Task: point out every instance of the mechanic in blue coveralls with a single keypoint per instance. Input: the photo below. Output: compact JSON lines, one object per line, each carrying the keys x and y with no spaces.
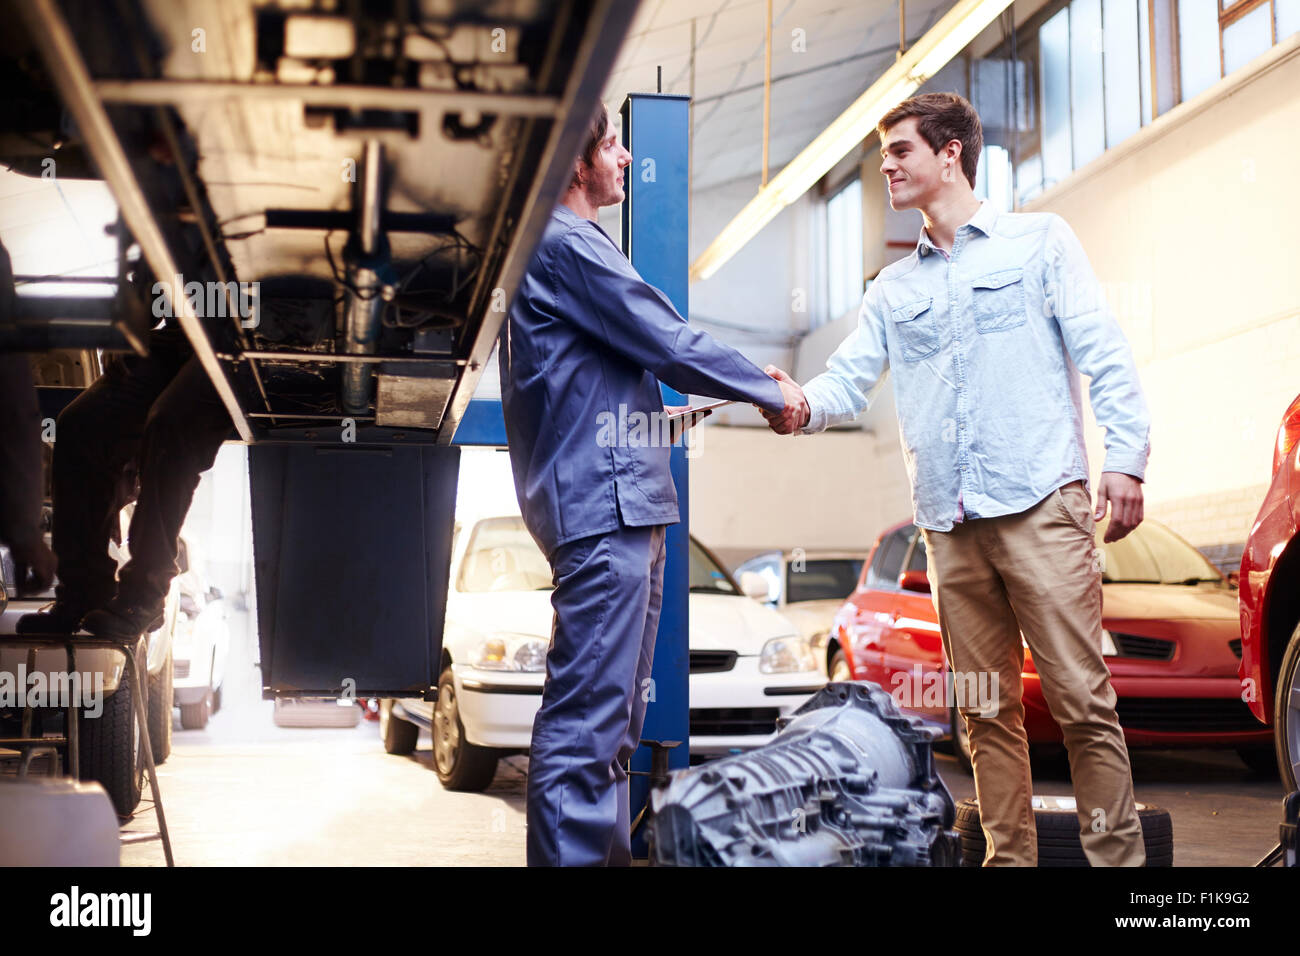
{"x":585,"y":336}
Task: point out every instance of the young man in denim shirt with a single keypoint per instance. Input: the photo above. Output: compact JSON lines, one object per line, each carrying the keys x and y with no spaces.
{"x":984,"y":326}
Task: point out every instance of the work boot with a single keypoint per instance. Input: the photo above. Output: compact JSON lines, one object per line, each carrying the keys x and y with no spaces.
{"x":121,"y":619}
{"x":61,"y":617}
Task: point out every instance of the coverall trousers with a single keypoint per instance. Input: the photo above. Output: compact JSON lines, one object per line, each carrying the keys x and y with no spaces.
{"x":1035,"y":573}
{"x":607,"y":599}
{"x":161,"y":414}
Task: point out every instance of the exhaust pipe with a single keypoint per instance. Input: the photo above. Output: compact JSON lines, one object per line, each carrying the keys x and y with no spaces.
{"x":367,"y":266}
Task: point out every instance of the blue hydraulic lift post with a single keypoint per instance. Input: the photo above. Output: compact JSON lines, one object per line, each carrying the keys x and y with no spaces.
{"x":656,"y":128}
{"x":483,"y":423}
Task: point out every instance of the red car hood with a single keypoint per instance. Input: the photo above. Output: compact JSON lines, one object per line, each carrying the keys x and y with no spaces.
{"x":1168,"y":602}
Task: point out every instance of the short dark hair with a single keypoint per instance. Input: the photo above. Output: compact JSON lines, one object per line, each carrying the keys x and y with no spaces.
{"x":595,"y":135}
{"x":941,"y":118}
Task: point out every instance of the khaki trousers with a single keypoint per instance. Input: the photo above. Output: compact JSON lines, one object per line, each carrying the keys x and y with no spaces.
{"x":1037,"y":572}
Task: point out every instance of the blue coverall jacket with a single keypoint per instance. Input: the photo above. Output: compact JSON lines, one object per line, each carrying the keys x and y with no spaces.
{"x":586,"y":339}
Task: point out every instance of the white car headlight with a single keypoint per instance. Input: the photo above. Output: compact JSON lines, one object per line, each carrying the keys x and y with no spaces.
{"x":1108,"y":648}
{"x":511,"y":652}
{"x":783,"y":655}
{"x":183,"y":633}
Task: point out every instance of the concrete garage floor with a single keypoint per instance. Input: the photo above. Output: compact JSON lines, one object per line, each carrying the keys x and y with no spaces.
{"x":244,"y":792}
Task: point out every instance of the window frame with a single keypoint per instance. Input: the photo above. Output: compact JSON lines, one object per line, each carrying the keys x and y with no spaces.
{"x":1230,"y":14}
{"x":1163,"y":56}
{"x":829,"y":314}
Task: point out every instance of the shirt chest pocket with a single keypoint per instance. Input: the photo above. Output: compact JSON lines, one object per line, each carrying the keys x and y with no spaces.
{"x":998,"y":301}
{"x":914,"y":325}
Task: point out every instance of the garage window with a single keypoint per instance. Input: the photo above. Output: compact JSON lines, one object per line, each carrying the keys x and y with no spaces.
{"x":844,"y":249}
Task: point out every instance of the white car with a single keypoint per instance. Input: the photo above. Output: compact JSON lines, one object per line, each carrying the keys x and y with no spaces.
{"x":200,"y":644}
{"x":748,"y":665}
{"x":808,"y":587}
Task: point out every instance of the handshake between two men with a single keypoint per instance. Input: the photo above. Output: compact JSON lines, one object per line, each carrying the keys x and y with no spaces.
{"x":795,"y":414}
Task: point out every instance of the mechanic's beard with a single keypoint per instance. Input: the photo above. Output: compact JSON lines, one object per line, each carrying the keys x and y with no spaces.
{"x":611,"y":195}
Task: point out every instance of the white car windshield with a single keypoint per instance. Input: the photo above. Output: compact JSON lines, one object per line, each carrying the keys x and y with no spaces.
{"x":707,"y":576}
{"x":502,"y":556}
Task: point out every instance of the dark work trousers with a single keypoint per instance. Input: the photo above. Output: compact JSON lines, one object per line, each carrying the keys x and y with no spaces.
{"x":160,"y":413}
{"x":608,"y":594}
{"x":20,"y":454}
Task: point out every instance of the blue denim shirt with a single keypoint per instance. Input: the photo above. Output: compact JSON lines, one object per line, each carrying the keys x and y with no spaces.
{"x":985,"y":346}
{"x":582,"y":352}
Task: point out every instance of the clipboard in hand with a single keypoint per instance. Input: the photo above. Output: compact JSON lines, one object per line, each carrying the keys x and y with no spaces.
{"x":679,"y":421}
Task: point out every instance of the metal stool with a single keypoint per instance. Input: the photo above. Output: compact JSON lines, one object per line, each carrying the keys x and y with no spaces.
{"x":30,"y":746}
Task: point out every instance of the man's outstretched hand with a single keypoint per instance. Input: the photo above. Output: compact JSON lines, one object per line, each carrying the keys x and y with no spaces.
{"x":796,"y":412}
{"x":1124,"y":492}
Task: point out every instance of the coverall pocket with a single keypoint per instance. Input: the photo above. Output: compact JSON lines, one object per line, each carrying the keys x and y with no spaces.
{"x":998,"y":301}
{"x":918,"y":335}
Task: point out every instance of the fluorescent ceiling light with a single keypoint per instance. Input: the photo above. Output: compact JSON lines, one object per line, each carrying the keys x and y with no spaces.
{"x":927,"y":57}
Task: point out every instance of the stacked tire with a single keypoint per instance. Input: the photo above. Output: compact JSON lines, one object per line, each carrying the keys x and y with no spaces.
{"x":1058,"y":835}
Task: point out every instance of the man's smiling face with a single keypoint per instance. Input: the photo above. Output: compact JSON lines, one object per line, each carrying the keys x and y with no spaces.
{"x":914,"y":171}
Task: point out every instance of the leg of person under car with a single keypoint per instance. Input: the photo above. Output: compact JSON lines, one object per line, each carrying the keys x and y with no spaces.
{"x":608,"y":591}
{"x":182,"y":435}
{"x":96,"y":436}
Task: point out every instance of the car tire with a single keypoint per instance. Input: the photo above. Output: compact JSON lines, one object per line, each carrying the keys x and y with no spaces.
{"x":1286,"y":719}
{"x":460,"y":764}
{"x":960,"y":741}
{"x":195,"y":716}
{"x":838,"y":668}
{"x":399,"y":736}
{"x":110,"y":748}
{"x":1058,"y":835}
{"x":161,"y":700}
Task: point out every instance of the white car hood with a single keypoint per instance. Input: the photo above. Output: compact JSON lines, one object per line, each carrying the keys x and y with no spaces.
{"x":724,"y":622}
{"x":490,"y":612}
{"x":813,"y":617}
{"x":718,"y":621}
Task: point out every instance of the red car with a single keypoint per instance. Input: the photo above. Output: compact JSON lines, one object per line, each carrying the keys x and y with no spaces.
{"x":1270,"y":603}
{"x":1171,"y":641}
